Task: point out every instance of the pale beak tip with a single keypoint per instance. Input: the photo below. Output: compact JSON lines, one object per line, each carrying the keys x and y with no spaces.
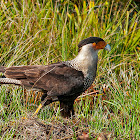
{"x":107,"y":47}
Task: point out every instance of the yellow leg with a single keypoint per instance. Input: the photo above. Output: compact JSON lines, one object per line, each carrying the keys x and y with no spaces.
{"x":37,"y":110}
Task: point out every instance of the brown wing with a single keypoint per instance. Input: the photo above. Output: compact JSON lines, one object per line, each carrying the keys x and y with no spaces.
{"x":58,"y":78}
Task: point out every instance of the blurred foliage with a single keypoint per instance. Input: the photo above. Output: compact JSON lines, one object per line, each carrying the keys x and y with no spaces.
{"x":50,"y":32}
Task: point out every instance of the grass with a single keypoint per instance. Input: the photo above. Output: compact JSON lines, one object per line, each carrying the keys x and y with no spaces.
{"x":40,"y":32}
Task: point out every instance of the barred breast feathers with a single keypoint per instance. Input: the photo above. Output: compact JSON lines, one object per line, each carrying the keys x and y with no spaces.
{"x":86,"y":61}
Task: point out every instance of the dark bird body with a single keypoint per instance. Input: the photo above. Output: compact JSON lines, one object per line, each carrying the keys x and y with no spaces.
{"x":63,"y":81}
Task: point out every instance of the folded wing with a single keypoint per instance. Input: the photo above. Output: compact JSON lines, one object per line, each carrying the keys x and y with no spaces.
{"x":58,"y":78}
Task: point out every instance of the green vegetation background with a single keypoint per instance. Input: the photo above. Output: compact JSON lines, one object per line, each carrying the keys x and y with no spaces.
{"x":42,"y":32}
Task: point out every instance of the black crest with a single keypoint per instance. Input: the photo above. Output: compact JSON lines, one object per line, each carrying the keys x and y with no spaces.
{"x":89,"y":40}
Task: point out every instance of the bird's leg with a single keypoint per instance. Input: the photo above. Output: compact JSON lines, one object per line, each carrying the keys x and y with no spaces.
{"x":67,"y":109}
{"x":37,"y":110}
{"x":44,"y":101}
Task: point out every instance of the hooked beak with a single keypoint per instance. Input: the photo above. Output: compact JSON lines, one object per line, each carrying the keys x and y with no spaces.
{"x":107,"y":47}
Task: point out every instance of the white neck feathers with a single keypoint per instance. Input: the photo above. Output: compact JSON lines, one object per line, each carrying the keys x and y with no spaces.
{"x":86,"y":60}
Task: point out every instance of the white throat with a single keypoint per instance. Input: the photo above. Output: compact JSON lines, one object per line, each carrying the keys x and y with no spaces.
{"x":86,"y":60}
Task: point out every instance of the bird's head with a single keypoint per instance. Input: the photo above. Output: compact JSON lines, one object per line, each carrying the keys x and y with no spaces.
{"x":87,"y":58}
{"x":94,"y":42}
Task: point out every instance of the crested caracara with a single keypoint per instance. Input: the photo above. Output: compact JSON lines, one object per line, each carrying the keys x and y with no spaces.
{"x":62,"y":81}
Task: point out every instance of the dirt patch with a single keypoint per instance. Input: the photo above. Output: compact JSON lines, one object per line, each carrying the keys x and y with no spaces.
{"x":36,"y":129}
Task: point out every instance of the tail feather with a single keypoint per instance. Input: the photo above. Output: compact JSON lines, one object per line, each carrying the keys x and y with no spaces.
{"x":9,"y":81}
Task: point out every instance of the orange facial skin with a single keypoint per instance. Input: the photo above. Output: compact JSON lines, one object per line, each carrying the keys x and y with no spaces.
{"x":99,"y":45}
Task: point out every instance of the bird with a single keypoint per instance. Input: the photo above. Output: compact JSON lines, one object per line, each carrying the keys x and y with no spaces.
{"x":62,"y":81}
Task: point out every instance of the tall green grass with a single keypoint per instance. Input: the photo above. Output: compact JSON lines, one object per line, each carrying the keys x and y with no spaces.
{"x":42,"y":32}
